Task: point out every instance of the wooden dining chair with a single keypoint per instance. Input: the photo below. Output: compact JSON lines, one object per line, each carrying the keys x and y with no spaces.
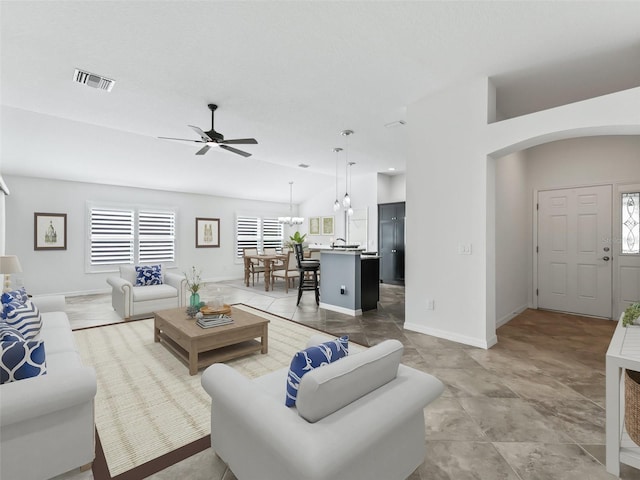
{"x":254,"y":266}
{"x":289,"y":272}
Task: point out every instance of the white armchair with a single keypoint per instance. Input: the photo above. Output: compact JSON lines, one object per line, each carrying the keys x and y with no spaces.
{"x":360,"y":417}
{"x":132,"y":301}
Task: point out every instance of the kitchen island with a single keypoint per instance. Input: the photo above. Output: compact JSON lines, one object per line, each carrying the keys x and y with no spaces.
{"x":349,"y":281}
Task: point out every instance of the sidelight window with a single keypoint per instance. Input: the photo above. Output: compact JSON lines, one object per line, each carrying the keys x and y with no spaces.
{"x":631,"y":223}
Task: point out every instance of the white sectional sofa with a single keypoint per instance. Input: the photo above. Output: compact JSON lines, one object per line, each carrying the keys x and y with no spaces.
{"x":360,"y":417}
{"x":47,"y":423}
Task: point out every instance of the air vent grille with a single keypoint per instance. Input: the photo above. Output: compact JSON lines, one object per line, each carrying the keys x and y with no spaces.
{"x":93,"y":80}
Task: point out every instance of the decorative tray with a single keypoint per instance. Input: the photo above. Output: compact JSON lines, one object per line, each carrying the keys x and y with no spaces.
{"x":208,"y":310}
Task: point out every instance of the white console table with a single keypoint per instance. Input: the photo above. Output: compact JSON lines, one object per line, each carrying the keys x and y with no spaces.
{"x":623,"y":353}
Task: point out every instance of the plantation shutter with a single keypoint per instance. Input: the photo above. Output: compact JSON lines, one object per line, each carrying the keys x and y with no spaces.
{"x":112,"y":239}
{"x":271,"y":233}
{"x":156,"y":236}
{"x":247,"y":233}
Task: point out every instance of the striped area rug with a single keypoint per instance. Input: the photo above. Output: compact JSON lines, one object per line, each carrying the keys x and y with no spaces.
{"x":147,"y":404}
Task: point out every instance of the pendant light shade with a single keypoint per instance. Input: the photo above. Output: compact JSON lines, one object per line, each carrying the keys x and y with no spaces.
{"x":291,"y":220}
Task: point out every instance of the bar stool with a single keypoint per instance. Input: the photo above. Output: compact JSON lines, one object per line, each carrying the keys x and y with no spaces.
{"x":308,"y":274}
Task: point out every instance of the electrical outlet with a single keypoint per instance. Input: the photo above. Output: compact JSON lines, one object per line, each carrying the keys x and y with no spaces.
{"x":343,"y":289}
{"x":431,"y":305}
{"x":464,"y":249}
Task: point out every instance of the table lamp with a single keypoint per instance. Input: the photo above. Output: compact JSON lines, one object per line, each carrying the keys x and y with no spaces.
{"x":9,"y":264}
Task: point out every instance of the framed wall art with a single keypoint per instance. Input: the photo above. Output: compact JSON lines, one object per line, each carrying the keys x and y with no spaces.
{"x":207,"y":232}
{"x":327,"y":226}
{"x":49,"y":231}
{"x":314,"y":225}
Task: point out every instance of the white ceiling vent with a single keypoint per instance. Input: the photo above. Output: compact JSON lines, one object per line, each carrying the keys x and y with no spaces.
{"x":93,"y":80}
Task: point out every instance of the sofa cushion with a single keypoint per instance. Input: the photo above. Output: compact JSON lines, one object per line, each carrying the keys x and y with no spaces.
{"x":11,"y":300}
{"x":22,"y":359}
{"x":58,"y":340}
{"x":328,"y":389}
{"x":310,"y":358}
{"x":148,"y":275}
{"x":9,"y":333}
{"x":154,"y":292}
{"x":60,"y":363}
{"x":26,"y":318}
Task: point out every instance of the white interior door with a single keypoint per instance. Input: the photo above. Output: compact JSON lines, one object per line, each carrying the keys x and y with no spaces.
{"x":574,"y":250}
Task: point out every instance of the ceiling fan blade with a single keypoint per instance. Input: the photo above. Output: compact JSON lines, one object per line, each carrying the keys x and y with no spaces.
{"x":181,"y":139}
{"x":203,"y":136}
{"x":235,"y":150}
{"x":203,"y":150}
{"x":241,"y":141}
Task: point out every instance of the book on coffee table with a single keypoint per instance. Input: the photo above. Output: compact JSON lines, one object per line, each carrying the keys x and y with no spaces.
{"x":209,"y":321}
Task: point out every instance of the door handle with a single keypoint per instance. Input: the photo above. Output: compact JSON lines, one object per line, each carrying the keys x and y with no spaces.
{"x":606,"y":259}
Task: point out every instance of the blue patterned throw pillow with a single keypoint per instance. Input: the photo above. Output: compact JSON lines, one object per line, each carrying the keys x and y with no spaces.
{"x":11,"y":300}
{"x":20,"y":360}
{"x":149,"y":275}
{"x":9,"y":333}
{"x":313,"y":357}
{"x":26,"y":319}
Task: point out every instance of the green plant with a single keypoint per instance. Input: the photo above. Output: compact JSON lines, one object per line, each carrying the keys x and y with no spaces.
{"x":295,"y":238}
{"x":193,"y":280}
{"x":631,"y":314}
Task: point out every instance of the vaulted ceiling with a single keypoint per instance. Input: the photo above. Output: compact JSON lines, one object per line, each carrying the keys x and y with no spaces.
{"x":290,"y":74}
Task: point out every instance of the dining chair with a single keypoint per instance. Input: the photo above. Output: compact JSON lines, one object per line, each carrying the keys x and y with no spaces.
{"x":288,"y":272}
{"x":254,"y":264}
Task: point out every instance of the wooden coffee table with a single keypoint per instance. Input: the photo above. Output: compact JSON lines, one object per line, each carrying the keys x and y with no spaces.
{"x":200,"y":347}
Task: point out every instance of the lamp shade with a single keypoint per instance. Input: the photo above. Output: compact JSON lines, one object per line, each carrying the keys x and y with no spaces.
{"x":9,"y":264}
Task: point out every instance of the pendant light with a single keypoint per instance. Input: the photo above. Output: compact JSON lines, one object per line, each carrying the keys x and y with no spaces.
{"x":336,"y":204}
{"x":346,"y":200}
{"x":291,"y":220}
{"x":350,"y":209}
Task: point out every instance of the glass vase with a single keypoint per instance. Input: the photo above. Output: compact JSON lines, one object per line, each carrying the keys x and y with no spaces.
{"x":194,"y":301}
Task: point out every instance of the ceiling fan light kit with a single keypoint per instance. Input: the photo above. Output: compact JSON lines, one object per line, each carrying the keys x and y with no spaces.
{"x":212,"y":137}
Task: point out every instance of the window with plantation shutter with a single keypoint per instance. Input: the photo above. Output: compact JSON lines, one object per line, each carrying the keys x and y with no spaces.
{"x":257,"y":232}
{"x":112,"y":236}
{"x":156,"y":236}
{"x":119,"y":236}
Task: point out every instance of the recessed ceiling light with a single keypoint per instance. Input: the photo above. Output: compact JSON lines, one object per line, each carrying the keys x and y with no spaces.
{"x":391,"y":169}
{"x":397,"y":123}
{"x":303,"y":165}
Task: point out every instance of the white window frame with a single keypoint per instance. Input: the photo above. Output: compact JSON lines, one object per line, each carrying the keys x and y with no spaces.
{"x":266,"y":232}
{"x":143,"y":236}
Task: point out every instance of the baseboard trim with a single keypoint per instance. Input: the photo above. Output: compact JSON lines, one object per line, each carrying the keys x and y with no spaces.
{"x":346,"y":311}
{"x":454,"y":337}
{"x":507,"y":318}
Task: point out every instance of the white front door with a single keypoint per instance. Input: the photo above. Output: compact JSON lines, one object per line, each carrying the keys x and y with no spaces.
{"x":574,"y":250}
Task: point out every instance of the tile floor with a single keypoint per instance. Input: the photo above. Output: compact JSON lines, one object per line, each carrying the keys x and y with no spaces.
{"x":530,"y":408}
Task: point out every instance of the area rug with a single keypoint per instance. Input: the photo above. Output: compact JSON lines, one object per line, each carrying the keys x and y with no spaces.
{"x":147,"y":404}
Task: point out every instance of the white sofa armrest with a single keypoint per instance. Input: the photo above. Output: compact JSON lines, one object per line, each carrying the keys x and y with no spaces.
{"x":120,"y":284}
{"x":34,"y":397}
{"x":179,"y":283}
{"x":49,"y":303}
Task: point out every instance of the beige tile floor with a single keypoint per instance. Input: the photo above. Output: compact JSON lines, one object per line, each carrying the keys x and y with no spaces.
{"x":530,"y":408}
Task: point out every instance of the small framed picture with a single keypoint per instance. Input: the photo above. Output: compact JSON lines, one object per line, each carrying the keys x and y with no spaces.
{"x":327,"y":225}
{"x":49,"y":231}
{"x":314,"y":225}
{"x":207,"y":232}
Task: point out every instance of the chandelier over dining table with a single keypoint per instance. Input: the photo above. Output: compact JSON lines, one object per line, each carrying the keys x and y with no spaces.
{"x":291,"y":220}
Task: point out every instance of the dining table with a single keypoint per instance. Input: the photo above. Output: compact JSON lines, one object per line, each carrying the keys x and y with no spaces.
{"x":267,"y":260}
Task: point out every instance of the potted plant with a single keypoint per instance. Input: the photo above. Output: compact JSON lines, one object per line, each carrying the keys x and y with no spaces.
{"x":295,"y":238}
{"x":631,"y":314}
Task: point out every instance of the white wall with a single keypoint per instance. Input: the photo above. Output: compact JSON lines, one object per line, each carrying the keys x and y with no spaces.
{"x":392,"y":188}
{"x":513,"y":236}
{"x":451,"y":197}
{"x":584,"y":161}
{"x":64,"y":271}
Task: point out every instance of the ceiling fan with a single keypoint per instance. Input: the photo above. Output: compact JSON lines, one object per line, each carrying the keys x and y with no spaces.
{"x":213,"y":137}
